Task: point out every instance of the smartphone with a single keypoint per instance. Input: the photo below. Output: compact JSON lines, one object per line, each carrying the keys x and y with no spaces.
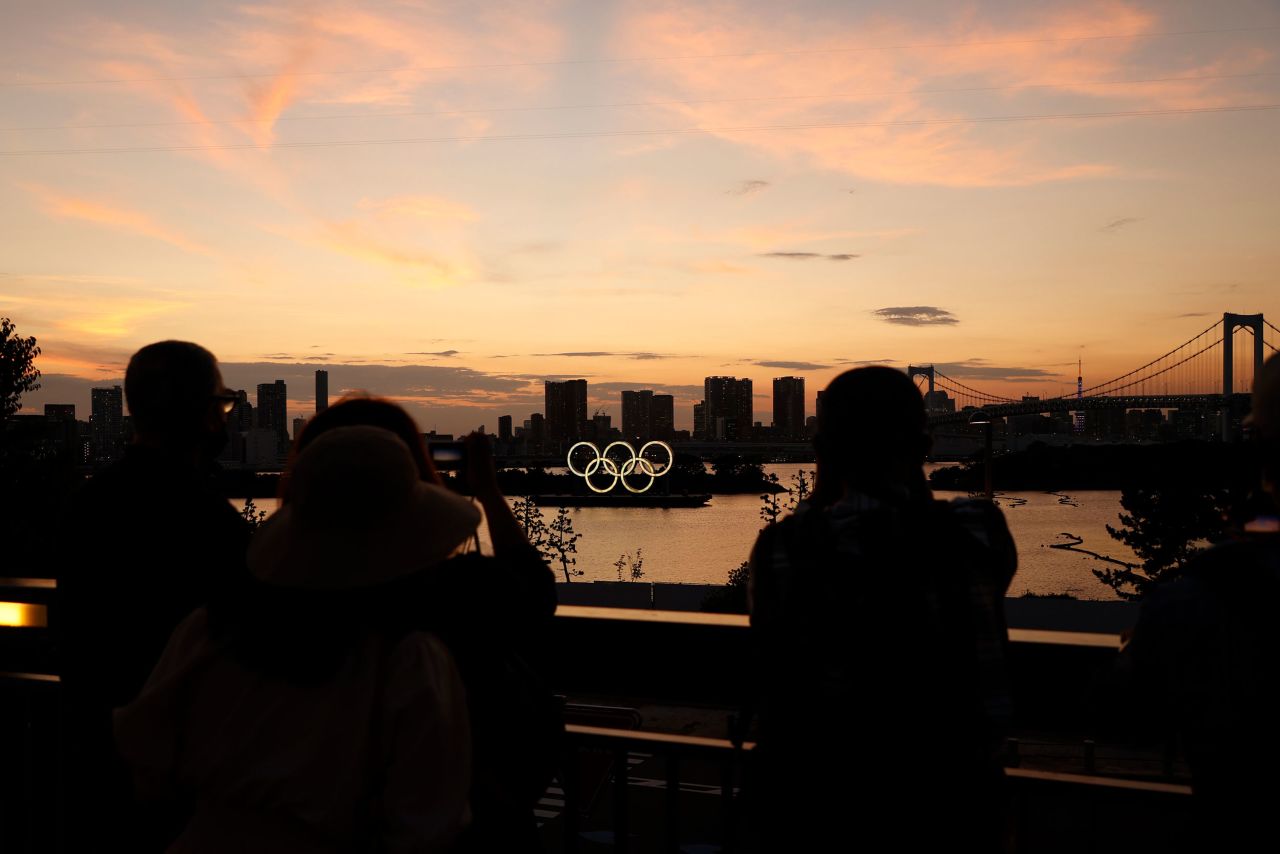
{"x":450,"y":459}
{"x":448,"y":456}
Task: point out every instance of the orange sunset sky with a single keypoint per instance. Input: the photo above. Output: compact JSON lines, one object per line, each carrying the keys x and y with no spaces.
{"x":449,"y":202}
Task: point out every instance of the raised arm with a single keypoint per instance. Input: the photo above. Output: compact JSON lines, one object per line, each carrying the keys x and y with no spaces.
{"x":508,"y":537}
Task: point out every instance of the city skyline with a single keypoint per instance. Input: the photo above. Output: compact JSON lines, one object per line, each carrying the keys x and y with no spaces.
{"x":636,"y":194}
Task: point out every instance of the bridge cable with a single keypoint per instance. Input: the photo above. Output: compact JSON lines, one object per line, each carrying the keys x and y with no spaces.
{"x":1206,"y":330}
{"x":972,"y":391}
{"x":1165,"y":370}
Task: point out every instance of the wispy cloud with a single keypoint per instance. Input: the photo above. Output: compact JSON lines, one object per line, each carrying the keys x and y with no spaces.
{"x":116,"y":217}
{"x":747,"y":188}
{"x":443,"y":354}
{"x":810,"y":256}
{"x":792,"y":366}
{"x":916,"y":315}
{"x":592,"y":354}
{"x":880,"y":87}
{"x":1119,"y":223}
{"x":982,"y":369}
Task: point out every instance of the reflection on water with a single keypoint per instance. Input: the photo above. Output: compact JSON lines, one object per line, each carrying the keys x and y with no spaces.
{"x":701,"y":545}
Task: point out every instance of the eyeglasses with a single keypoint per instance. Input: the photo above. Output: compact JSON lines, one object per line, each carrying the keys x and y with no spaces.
{"x":227,"y":401}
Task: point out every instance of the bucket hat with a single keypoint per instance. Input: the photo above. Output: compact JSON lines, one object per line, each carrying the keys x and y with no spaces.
{"x":358,"y":515}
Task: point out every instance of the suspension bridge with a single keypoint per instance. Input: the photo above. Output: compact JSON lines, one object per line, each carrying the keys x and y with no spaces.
{"x":1211,"y":371}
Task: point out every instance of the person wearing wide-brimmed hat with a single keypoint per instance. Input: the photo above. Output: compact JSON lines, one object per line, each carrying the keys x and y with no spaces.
{"x":312,"y":727}
{"x":1204,"y":658}
{"x":493,"y":611}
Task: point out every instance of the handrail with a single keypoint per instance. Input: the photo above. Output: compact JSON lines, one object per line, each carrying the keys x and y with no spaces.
{"x":688,"y":618}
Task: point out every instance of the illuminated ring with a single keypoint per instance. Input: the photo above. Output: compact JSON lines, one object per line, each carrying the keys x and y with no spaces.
{"x":621,"y":469}
{"x":594,"y":466}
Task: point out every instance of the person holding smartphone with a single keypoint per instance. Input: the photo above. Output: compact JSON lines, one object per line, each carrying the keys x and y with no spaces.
{"x":489,"y":610}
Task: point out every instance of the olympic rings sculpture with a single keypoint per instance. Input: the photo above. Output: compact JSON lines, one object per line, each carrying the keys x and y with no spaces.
{"x":621,"y":462}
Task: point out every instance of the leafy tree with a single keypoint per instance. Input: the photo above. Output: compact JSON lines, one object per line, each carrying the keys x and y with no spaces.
{"x":252,"y":515}
{"x":771,"y":507}
{"x":732,"y":597}
{"x":562,"y":543}
{"x":636,"y":566}
{"x":18,"y":373}
{"x":800,"y":489}
{"x":1165,"y":527}
{"x":529,"y":515}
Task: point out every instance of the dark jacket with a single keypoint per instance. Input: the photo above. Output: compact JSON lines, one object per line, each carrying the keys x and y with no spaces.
{"x":147,"y":542}
{"x":490,"y":613}
{"x":880,"y":634}
{"x":1204,"y":660}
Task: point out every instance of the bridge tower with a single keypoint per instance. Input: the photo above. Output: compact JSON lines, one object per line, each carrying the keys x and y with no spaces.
{"x":914,"y":371}
{"x":1230,"y":323}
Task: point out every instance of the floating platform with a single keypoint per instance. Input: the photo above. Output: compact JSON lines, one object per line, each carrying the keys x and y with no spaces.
{"x":624,"y":499}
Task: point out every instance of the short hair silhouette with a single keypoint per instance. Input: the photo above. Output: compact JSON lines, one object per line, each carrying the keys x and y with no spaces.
{"x":168,"y":386}
{"x":362,"y":410}
{"x":872,"y":419}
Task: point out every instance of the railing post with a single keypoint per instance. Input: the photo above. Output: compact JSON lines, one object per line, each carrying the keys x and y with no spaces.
{"x":727,"y":807}
{"x":572,"y":801}
{"x":673,"y":802}
{"x":1090,"y":760}
{"x":621,"y":823}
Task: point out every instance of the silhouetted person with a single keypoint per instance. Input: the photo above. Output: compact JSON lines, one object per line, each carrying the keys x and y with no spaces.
{"x":491,"y":611}
{"x":313,"y":728}
{"x":147,"y":540}
{"x":1205,"y":660}
{"x":877,"y":614}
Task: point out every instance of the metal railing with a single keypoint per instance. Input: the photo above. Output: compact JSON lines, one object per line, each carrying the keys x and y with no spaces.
{"x":30,"y":797}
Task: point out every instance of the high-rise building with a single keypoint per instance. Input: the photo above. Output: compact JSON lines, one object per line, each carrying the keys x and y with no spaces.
{"x":298,"y":424}
{"x":240,"y":418}
{"x":817,"y":404}
{"x":322,"y":391}
{"x":566,"y":410}
{"x":939,"y":401}
{"x":106,"y":420}
{"x":273,"y":415}
{"x":728,"y":402}
{"x":504,"y":428}
{"x":537,"y":431}
{"x":788,"y":408}
{"x":239,"y":424}
{"x":662,"y":417}
{"x":700,"y":421}
{"x":637,"y":414}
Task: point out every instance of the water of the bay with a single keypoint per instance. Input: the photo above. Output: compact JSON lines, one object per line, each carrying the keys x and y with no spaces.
{"x":700,"y":545}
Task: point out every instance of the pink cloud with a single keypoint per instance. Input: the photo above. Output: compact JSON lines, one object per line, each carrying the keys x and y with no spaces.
{"x":1027,"y":51}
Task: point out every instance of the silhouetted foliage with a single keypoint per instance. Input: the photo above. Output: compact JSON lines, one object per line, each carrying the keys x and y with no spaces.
{"x":801,"y":488}
{"x":252,"y":515}
{"x":529,"y":515}
{"x":635,"y":567}
{"x":18,"y":373}
{"x":1165,"y":527}
{"x":562,"y":543}
{"x":771,"y":507}
{"x":1042,"y":467}
{"x":736,"y":473}
{"x":732,"y":598}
